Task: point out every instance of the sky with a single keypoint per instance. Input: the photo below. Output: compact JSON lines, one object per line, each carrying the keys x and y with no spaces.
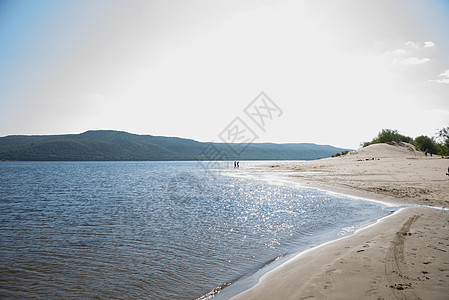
{"x":337,"y":72}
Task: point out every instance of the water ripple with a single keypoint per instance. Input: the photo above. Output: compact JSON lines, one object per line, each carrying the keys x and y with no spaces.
{"x":151,"y":229}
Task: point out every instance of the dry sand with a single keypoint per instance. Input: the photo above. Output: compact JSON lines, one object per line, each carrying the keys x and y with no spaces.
{"x":402,"y":256}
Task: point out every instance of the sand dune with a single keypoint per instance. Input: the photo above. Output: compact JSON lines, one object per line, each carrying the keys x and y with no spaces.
{"x":386,"y":150}
{"x":402,"y":256}
{"x":398,"y":171}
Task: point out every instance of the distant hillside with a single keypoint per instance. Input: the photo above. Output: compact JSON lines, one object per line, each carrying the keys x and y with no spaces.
{"x":108,"y":145}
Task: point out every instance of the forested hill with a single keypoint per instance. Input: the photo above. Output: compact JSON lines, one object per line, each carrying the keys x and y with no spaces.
{"x":108,"y":145}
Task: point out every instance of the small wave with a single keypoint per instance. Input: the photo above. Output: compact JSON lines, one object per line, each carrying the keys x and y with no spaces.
{"x":219,"y":288}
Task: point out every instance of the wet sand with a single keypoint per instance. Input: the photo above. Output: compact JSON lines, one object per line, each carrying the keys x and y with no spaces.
{"x":402,"y":256}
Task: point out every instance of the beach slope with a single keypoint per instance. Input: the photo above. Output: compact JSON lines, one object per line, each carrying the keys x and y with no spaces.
{"x":402,"y":256}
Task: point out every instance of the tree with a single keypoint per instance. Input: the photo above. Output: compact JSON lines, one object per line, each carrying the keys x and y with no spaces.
{"x":443,"y":139}
{"x":425,"y":143}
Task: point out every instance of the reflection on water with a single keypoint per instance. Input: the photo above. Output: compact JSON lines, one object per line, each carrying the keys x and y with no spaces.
{"x":151,"y":229}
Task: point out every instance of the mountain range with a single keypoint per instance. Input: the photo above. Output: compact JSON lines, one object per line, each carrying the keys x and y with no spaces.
{"x":110,"y":145}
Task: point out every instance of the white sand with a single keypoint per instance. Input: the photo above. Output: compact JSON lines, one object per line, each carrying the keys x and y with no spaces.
{"x":403,"y":256}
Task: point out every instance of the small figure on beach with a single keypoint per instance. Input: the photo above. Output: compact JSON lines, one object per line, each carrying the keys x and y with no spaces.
{"x":238,"y":165}
{"x":447,"y":171}
{"x":235,"y":164}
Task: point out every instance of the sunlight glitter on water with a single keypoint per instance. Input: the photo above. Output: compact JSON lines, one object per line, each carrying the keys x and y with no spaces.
{"x":152,"y":229}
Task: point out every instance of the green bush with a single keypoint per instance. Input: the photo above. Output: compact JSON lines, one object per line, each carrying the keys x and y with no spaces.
{"x":388,"y":135}
{"x":443,"y":138}
{"x":425,"y":143}
{"x":437,"y":145}
{"x":340,"y":153}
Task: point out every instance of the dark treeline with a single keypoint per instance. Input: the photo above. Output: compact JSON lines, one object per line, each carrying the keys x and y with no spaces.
{"x":108,"y":145}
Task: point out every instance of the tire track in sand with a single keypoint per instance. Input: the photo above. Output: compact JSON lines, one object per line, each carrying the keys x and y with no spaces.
{"x":395,"y":266}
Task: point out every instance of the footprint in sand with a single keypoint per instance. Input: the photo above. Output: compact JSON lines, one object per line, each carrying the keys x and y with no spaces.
{"x":330,"y":272}
{"x":328,"y":285}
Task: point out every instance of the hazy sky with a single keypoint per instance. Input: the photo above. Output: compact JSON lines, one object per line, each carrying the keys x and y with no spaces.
{"x":340,"y":71}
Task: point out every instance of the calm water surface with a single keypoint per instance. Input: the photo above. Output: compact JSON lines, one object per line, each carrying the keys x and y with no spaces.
{"x":152,"y":230}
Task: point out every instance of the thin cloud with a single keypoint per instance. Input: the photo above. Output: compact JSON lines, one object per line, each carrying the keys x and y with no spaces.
{"x":408,"y":54}
{"x":445,"y":73}
{"x":412,"y":44}
{"x":444,"y":77}
{"x":415,"y":61}
{"x":398,"y":51}
{"x":418,"y":45}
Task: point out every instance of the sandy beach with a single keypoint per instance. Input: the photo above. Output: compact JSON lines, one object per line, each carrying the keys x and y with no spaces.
{"x":402,"y":256}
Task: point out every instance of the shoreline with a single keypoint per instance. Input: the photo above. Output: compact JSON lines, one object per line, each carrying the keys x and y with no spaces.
{"x":367,"y":264}
{"x":244,"y":282}
{"x":267,"y":268}
{"x":401,"y":255}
